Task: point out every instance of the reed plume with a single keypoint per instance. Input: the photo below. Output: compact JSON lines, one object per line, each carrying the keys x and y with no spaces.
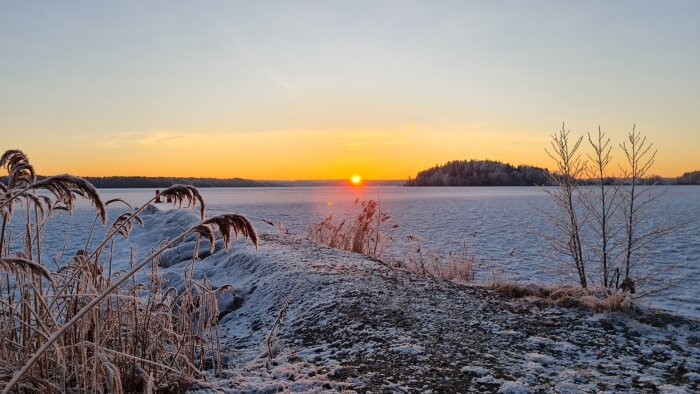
{"x":19,"y":171}
{"x":187,"y":194}
{"x":17,"y":265}
{"x":232,"y":225}
{"x":125,"y":222}
{"x":65,"y":187}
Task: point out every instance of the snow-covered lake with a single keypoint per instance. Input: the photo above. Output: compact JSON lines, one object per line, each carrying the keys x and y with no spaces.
{"x":500,"y":223}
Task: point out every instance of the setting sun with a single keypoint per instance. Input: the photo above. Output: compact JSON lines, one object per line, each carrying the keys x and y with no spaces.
{"x":356,"y":179}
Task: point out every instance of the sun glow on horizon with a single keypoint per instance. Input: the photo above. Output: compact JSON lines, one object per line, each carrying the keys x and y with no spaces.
{"x":356,"y":179}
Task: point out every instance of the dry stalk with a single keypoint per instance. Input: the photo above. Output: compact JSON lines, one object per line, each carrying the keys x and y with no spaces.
{"x":280,"y":319}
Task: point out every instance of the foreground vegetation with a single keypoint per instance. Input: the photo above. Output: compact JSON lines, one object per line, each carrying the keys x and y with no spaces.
{"x":83,"y":327}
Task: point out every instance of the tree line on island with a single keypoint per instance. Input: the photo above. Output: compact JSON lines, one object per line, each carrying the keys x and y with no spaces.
{"x":496,"y":173}
{"x":480,"y":173}
{"x":689,"y":178}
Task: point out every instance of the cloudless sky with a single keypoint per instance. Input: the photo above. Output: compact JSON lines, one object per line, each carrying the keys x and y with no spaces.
{"x":325,"y":89}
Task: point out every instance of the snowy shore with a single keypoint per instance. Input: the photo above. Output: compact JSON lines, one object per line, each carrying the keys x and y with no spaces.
{"x":355,"y":324}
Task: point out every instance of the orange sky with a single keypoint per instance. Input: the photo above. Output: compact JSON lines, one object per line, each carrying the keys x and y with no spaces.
{"x":300,"y":154}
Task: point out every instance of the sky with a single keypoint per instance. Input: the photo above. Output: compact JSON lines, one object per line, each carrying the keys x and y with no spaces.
{"x":327,"y":89}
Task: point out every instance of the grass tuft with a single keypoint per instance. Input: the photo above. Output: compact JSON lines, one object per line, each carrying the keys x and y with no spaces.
{"x":594,"y":299}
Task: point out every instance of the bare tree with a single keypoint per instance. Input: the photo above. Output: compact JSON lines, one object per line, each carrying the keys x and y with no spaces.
{"x":638,"y":195}
{"x":604,"y":204}
{"x":567,"y":197}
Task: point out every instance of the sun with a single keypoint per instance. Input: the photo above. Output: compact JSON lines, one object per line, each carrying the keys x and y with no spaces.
{"x":356,"y":179}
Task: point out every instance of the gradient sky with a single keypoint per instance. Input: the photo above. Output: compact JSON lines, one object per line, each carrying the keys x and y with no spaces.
{"x":325,"y":89}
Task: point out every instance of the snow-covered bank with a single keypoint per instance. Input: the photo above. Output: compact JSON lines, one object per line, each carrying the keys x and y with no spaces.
{"x":355,"y":324}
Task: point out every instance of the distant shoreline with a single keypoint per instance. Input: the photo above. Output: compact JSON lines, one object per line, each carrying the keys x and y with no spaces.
{"x":138,"y":182}
{"x":142,"y":182}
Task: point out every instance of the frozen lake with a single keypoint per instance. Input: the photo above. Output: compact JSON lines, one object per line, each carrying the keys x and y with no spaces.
{"x":501,"y":224}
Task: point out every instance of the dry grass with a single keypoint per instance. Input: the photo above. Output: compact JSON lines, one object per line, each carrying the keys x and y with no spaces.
{"x":84,"y":328}
{"x":596,"y":300}
{"x":459,"y":264}
{"x":279,"y":321}
{"x":369,"y":233}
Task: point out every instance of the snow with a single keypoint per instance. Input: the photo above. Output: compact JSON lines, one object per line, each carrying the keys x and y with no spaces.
{"x":409,"y":349}
{"x":693,"y":377}
{"x":480,"y":371}
{"x":514,"y":388}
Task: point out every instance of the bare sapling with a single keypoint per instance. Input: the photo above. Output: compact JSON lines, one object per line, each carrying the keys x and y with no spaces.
{"x":570,"y":168}
{"x":612,"y":222}
{"x":639,"y":195}
{"x":603,"y":205}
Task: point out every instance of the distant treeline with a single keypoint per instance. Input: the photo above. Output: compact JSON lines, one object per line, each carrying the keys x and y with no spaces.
{"x":133,"y":182}
{"x":689,"y":178}
{"x":480,"y":173}
{"x":116,"y":182}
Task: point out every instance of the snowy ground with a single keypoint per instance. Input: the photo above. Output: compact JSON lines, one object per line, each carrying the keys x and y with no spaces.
{"x":357,"y":325}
